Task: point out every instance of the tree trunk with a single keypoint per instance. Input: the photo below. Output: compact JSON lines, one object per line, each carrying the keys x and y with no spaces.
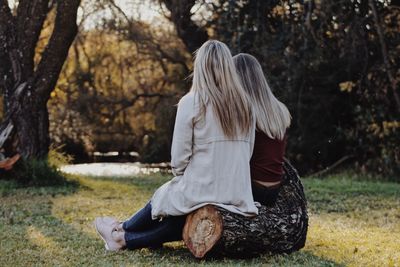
{"x":26,"y":88}
{"x":281,"y":227}
{"x":32,"y":128}
{"x":191,"y":34}
{"x":28,"y":117}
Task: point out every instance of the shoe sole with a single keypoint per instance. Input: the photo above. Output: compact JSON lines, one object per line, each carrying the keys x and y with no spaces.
{"x":97,"y":230}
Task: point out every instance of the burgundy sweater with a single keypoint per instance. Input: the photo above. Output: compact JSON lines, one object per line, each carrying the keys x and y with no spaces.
{"x":266,"y":163}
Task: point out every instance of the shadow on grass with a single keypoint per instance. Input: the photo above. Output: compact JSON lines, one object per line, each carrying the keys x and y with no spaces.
{"x":31,"y":234}
{"x":26,"y":222}
{"x":299,"y":258}
{"x":47,"y":240}
{"x":67,"y":185}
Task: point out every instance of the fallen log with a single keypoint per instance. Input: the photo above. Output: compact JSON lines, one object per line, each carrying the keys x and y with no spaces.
{"x":279,"y":228}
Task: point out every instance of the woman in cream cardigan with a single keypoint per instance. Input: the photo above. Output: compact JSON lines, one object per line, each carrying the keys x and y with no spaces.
{"x":211,"y":149}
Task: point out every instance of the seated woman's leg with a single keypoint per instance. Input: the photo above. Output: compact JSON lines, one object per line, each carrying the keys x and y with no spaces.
{"x":169,"y":229}
{"x":147,"y":233}
{"x":140,"y":221}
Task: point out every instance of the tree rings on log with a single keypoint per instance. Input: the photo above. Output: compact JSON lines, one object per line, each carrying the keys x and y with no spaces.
{"x":203,"y":229}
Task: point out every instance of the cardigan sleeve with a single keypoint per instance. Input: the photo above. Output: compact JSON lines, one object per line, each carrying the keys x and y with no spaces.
{"x":182,"y":141}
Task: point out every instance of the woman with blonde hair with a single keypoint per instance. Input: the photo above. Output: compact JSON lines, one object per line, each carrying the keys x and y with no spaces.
{"x":212,"y":145}
{"x":272,"y":121}
{"x":275,"y":183}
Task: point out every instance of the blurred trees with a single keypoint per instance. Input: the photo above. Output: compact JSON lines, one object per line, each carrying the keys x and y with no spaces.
{"x":118,"y":88}
{"x":334,"y":63}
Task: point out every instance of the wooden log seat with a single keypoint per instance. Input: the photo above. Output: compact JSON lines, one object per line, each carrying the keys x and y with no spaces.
{"x":279,"y":228}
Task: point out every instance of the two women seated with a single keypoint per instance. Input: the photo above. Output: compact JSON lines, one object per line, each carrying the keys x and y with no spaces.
{"x":228,"y":150}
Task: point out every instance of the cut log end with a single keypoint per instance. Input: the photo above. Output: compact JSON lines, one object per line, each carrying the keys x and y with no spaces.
{"x":203,"y":229}
{"x":278,"y":228}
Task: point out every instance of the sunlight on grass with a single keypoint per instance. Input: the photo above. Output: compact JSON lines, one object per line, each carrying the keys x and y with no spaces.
{"x":98,"y":198}
{"x":352,"y":223}
{"x":353,"y":242}
{"x":40,"y":240}
{"x":47,"y":247}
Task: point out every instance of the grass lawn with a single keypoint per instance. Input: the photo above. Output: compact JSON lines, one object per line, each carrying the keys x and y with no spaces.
{"x":352,"y":223}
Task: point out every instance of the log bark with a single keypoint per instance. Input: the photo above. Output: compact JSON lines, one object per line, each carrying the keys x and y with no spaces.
{"x":279,"y":228}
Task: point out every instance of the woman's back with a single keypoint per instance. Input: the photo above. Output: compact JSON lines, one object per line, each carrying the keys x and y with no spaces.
{"x":272,"y":121}
{"x":217,"y":172}
{"x":267,"y":159}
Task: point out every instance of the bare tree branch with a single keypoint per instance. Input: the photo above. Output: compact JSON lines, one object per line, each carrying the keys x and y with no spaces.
{"x":140,"y":39}
{"x":54,"y":55}
{"x":113,"y":4}
{"x":192,"y":35}
{"x":31,"y":15}
{"x":123,"y":104}
{"x":126,"y":103}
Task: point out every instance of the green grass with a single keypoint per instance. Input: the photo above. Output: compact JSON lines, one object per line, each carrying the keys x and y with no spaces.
{"x":352,"y":222}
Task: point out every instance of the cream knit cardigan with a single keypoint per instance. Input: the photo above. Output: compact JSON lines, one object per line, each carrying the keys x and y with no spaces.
{"x":209,"y":168}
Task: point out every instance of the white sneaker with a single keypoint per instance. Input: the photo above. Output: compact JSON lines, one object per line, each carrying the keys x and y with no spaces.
{"x":106,"y":227}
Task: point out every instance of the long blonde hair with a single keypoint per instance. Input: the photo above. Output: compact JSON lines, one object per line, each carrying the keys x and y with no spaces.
{"x":272,"y":116}
{"x":216,"y":82}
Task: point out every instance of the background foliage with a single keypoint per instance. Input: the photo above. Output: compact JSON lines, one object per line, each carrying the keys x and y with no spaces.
{"x":325,"y":60}
{"x":335,"y":64}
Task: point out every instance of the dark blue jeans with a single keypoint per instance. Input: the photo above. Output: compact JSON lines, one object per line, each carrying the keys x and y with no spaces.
{"x":141,"y":231}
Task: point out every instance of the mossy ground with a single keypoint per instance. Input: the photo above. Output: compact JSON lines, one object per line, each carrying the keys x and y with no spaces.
{"x":352,"y":222}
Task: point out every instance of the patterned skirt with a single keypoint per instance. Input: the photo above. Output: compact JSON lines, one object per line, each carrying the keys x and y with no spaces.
{"x":279,"y":228}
